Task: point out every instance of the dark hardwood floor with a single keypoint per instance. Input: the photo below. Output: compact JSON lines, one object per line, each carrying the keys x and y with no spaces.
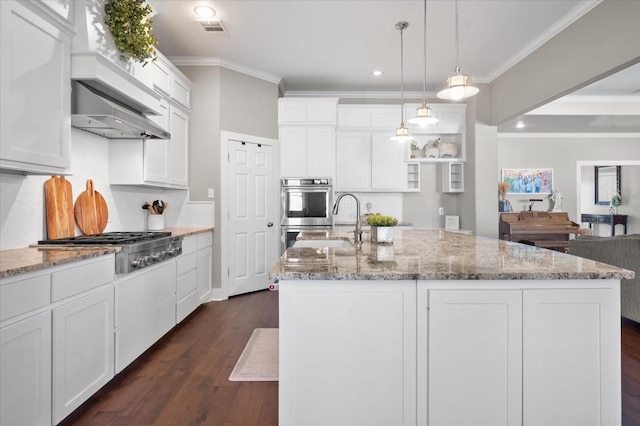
{"x":183,"y":379}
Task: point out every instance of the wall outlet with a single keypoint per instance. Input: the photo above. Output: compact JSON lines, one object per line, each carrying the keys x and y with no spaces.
{"x":441,"y":211}
{"x":210,"y":193}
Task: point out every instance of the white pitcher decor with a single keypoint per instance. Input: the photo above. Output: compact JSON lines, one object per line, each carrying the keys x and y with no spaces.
{"x":381,"y":228}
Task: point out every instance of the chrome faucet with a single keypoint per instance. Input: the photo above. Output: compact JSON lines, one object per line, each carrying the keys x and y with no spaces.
{"x":357,"y":234}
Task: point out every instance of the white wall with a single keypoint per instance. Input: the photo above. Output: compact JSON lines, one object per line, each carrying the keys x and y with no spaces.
{"x":562,"y":153}
{"x":22,"y":210}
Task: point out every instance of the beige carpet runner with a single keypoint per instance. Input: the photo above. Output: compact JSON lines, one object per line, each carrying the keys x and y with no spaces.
{"x":259,"y":359}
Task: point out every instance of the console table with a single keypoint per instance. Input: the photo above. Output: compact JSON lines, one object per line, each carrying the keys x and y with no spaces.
{"x":610,"y":219}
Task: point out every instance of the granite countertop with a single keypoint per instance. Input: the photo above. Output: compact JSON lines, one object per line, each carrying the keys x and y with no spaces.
{"x":187,"y":232}
{"x":435,"y":255}
{"x":21,"y":260}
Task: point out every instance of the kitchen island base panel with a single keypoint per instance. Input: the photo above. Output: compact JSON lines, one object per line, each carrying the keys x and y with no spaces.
{"x":347,"y":357}
{"x":414,"y":352}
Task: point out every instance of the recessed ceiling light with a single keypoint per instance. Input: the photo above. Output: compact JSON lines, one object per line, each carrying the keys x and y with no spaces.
{"x":519,"y":125}
{"x":204,"y":12}
{"x":377,"y":73}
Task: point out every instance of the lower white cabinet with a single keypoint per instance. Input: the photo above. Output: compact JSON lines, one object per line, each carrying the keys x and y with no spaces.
{"x":82,"y":350}
{"x":187,"y":279}
{"x":25,"y":371}
{"x":204,"y":266}
{"x":145,"y":303}
{"x":528,"y":356}
{"x":347,"y":357}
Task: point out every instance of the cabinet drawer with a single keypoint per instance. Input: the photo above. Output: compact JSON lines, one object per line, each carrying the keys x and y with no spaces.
{"x":205,"y":240}
{"x":186,"y":306}
{"x":189,"y":245}
{"x":18,"y":296}
{"x":137,"y":336}
{"x":76,"y":279}
{"x":185,"y":263}
{"x":186,"y":284}
{"x":136,"y":294}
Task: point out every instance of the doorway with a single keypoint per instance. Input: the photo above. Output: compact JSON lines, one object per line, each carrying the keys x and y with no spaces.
{"x":249,"y":212}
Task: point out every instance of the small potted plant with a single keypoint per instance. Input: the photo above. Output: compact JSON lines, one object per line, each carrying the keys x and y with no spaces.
{"x":414,"y":149}
{"x":381,"y":228}
{"x":616,"y":200}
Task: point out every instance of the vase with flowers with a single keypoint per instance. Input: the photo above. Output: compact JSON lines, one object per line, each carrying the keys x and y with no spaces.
{"x":616,"y":200}
{"x":503,"y":204}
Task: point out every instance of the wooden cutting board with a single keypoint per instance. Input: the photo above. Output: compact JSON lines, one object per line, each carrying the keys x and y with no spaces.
{"x":58,"y":200}
{"x":91,"y":211}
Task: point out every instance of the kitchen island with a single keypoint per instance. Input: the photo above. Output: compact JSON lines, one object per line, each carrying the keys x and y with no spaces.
{"x":443,"y":328}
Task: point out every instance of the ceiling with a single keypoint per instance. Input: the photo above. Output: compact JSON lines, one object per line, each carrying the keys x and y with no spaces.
{"x":332,"y":46}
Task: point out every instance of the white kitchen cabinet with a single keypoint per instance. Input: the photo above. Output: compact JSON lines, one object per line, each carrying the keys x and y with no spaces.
{"x":353,"y":161}
{"x":145,"y":309}
{"x":82,"y":350}
{"x":385,"y":117}
{"x":517,"y":354}
{"x":413,"y":176}
{"x":25,"y":371}
{"x":205,"y":266}
{"x":153,"y":162}
{"x":451,"y":177}
{"x":187,"y":279}
{"x":388,"y":168}
{"x":571,"y":357}
{"x":34,"y":82}
{"x":370,"y":162}
{"x":310,"y":111}
{"x":366,"y":334}
{"x":474,"y":358}
{"x":307,"y":151}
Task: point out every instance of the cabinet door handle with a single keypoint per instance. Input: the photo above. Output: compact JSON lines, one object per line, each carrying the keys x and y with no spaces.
{"x":269,"y":224}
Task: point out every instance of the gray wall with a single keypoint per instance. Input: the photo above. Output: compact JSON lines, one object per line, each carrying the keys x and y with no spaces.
{"x":421,"y":208}
{"x":222,"y":99}
{"x":604,"y":41}
{"x":562,"y":155}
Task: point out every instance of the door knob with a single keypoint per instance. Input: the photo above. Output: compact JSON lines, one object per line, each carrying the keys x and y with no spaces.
{"x":269,"y":224}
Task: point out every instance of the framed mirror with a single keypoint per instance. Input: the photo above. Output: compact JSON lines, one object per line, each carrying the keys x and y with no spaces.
{"x":606,"y":184}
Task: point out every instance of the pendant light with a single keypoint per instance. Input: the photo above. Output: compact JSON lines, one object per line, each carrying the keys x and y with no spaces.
{"x":424,"y":116}
{"x":402,"y":133}
{"x":459,"y":85}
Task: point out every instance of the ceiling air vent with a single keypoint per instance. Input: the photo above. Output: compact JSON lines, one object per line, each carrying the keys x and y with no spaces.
{"x":213,"y":26}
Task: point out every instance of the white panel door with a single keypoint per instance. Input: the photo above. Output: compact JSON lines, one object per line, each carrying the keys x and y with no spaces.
{"x":474,"y":359}
{"x":388,"y":166}
{"x":251,"y":217}
{"x":571,"y":358}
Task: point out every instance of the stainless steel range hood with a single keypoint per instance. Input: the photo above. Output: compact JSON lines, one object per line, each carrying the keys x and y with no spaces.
{"x":96,"y":112}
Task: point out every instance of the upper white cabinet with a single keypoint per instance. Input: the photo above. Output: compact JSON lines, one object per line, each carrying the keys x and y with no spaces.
{"x":154,"y":162}
{"x":307,"y":137}
{"x":451,"y":177}
{"x":314,"y":111}
{"x":170,"y":82}
{"x":307,"y":151}
{"x":35,"y":105}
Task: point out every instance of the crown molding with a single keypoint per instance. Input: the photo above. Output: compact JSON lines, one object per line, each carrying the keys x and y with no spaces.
{"x":567,"y":135}
{"x":204,"y":61}
{"x":358,"y":95}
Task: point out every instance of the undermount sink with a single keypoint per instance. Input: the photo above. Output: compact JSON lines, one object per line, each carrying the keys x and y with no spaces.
{"x":322,"y":243}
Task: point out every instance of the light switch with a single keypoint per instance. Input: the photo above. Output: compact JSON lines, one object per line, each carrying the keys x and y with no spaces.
{"x":210,"y":193}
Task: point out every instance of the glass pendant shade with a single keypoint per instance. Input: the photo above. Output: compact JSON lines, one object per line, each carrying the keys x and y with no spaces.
{"x":424,"y":117}
{"x":459,"y":86}
{"x":402,"y":134}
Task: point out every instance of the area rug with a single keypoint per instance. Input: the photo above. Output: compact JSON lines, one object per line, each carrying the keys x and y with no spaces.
{"x":259,"y":359}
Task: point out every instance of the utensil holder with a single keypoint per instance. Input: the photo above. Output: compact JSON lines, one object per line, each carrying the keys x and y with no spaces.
{"x":155,"y":222}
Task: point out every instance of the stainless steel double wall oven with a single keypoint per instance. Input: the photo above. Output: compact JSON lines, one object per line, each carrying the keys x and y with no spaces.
{"x":305,"y":204}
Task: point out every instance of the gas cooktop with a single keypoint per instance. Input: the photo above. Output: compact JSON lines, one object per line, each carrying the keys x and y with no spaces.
{"x":114,"y":238}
